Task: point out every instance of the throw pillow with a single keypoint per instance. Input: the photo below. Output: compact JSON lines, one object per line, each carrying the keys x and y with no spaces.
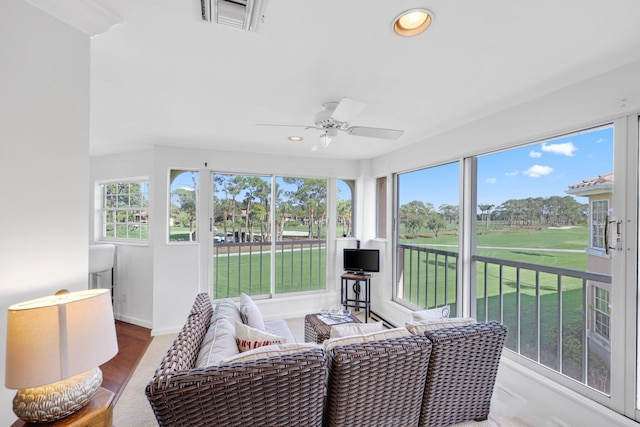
{"x":347,"y":329}
{"x":219,"y":343}
{"x":248,"y":338}
{"x":432,"y":314}
{"x":250,"y":312}
{"x":227,"y":308}
{"x":420,"y":326}
{"x":270,"y":351}
{"x":373,"y":336}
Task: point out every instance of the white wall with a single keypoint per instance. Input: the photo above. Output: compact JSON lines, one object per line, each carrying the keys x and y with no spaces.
{"x":44,"y":167}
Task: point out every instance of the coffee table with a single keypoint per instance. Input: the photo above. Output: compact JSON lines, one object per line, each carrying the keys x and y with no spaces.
{"x":316,"y":330}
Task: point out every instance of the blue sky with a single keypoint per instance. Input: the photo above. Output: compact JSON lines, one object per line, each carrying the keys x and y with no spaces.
{"x":543,"y":169}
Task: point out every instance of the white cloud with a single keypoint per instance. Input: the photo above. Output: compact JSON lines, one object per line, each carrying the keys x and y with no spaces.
{"x":511,"y":173}
{"x":535,"y":154}
{"x":491,"y":180}
{"x":566,"y":148}
{"x":536,"y":171}
{"x":600,"y":140}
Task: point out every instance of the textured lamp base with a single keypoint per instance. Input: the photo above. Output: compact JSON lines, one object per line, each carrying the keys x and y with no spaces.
{"x":52,"y":402}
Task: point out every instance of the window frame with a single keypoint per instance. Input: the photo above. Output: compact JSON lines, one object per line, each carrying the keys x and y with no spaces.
{"x":102,"y":187}
{"x":600,"y":222}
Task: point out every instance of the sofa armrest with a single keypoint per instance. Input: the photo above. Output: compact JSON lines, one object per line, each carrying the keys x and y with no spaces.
{"x":377,"y":383}
{"x":462,"y":373}
{"x":276,"y":391}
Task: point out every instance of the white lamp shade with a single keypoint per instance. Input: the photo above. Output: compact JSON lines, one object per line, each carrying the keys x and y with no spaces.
{"x":53,"y":338}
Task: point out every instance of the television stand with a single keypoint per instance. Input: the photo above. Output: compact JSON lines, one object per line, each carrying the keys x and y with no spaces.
{"x":352,"y":299}
{"x":356,"y":273}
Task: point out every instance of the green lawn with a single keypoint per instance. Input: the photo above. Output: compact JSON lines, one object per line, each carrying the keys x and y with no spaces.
{"x":300,"y":269}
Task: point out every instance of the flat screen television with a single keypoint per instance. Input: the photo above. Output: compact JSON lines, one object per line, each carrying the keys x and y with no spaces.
{"x":361,"y":260}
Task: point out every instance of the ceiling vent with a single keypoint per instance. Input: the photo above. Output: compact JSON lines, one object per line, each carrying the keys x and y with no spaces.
{"x":246,"y":15}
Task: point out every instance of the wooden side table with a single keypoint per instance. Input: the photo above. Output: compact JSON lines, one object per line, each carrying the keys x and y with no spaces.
{"x":97,"y":413}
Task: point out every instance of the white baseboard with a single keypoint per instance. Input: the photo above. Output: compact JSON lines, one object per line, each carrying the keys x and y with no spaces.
{"x":133,"y":320}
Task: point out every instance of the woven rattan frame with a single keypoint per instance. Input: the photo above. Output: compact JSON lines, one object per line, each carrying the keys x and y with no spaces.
{"x":379,"y":383}
{"x":462,"y":373}
{"x":277,"y":391}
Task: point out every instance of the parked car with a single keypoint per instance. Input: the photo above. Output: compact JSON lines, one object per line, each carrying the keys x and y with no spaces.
{"x":220,"y":238}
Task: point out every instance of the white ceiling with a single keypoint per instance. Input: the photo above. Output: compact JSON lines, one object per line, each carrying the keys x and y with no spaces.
{"x":161,"y":78}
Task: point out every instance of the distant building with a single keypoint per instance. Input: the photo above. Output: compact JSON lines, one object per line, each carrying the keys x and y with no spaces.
{"x":599,"y":190}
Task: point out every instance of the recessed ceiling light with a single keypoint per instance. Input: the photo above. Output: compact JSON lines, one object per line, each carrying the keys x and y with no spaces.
{"x":295,"y":138}
{"x":412,"y":22}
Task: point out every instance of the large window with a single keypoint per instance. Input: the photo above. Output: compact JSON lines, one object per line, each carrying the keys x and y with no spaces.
{"x":551,"y":240}
{"x":344,"y":208}
{"x":301,"y":219}
{"x":183,"y":205}
{"x":242,"y":230}
{"x":540,"y":208}
{"x":125,"y":210}
{"x":269,"y":234}
{"x":427,"y":231}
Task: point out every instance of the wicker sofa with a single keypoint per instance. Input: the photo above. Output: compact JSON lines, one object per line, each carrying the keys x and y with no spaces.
{"x":397,"y":380}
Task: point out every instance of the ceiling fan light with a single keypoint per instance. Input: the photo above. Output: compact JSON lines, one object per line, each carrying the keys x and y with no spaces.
{"x":325,"y":139}
{"x":295,"y":138}
{"x":412,"y":22}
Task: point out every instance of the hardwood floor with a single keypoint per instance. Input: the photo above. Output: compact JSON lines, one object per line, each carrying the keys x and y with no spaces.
{"x":132,"y":343}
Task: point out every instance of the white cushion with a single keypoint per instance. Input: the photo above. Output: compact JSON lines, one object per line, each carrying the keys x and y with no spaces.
{"x":250,"y":312}
{"x":227,"y":308}
{"x":432,"y":314}
{"x":420,"y":326}
{"x":218,"y":343}
{"x":373,"y":336}
{"x":271,"y":350}
{"x":280,"y":328}
{"x":347,"y":329}
{"x":248,"y":338}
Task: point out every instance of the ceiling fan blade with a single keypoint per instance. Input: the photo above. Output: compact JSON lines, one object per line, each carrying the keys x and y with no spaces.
{"x":347,"y":109}
{"x":289,"y":126}
{"x":375,"y":132}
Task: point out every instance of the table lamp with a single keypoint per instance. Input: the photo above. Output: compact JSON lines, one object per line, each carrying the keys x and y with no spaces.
{"x":54,"y":347}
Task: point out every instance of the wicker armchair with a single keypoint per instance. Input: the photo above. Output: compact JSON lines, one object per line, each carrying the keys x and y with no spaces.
{"x":462,"y":373}
{"x":379,"y":383}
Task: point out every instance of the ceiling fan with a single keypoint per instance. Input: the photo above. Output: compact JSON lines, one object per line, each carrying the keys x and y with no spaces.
{"x":336,"y":116}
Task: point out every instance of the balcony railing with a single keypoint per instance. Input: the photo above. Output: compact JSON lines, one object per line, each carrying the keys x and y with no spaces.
{"x":246,"y":267}
{"x":427,"y":277}
{"x":547,"y":310}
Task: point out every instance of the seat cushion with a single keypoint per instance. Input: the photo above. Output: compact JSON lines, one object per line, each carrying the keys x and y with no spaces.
{"x":373,"y":336}
{"x":432,"y":313}
{"x":420,"y":326}
{"x":348,"y":329}
{"x":270,"y":351}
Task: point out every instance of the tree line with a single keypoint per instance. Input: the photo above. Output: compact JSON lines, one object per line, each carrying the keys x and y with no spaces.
{"x":533,"y":211}
{"x":245,"y":206}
